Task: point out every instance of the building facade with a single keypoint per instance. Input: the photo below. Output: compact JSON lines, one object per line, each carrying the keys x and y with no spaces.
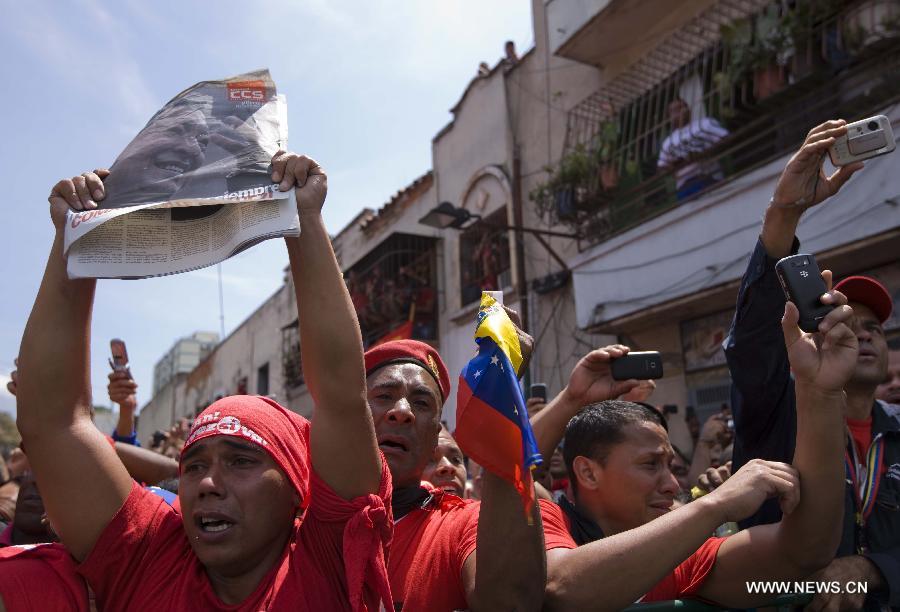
{"x":248,"y":361}
{"x":646,"y":137}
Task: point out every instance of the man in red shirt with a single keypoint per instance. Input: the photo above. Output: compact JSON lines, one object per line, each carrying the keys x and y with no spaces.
{"x":619,"y":457}
{"x":437,"y":535}
{"x":447,"y":469}
{"x":275,"y":513}
{"x":40,"y":577}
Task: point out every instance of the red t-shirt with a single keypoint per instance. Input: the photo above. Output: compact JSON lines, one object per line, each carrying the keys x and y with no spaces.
{"x":428,"y":551}
{"x":40,"y":577}
{"x":861,"y":432}
{"x":143,"y":560}
{"x":684,"y":581}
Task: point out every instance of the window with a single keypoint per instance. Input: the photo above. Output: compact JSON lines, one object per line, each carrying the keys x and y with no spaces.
{"x":262,"y":379}
{"x":394,"y":290}
{"x":484,"y":262}
{"x":291,"y":366}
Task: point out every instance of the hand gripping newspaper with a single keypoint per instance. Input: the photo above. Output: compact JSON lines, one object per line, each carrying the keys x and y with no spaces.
{"x":193,"y":187}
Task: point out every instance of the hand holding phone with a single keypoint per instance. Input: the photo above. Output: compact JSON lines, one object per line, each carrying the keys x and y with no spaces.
{"x":864,"y":139}
{"x":538,"y":390}
{"x":803,"y":285}
{"x":119,"y":360}
{"x":642,"y":365}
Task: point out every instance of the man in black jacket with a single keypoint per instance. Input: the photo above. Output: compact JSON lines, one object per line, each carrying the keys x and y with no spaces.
{"x":763,"y":389}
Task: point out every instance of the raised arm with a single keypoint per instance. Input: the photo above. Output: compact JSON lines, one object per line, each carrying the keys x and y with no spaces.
{"x":146,"y":466}
{"x":802,"y":185}
{"x":343,"y":445}
{"x":54,"y":393}
{"x":122,"y":390}
{"x":589,"y":382}
{"x":807,"y":537}
{"x":508,"y":569}
{"x":762,"y":390}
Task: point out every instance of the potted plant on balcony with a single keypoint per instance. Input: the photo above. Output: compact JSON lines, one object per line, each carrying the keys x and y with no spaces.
{"x":757,"y":46}
{"x":806,"y":24}
{"x":604,"y":149}
{"x":569,"y":187}
{"x":870,"y":22}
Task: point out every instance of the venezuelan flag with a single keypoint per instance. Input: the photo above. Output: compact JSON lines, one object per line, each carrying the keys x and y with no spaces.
{"x":492,"y":424}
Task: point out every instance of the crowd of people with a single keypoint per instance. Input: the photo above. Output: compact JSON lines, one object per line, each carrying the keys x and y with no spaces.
{"x":384,"y":301}
{"x":372,"y":505}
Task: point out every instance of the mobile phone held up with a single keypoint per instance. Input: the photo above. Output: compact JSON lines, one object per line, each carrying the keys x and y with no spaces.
{"x":640,"y":365}
{"x":119,"y":359}
{"x":538,"y":390}
{"x":803,"y":285}
{"x":864,"y":139}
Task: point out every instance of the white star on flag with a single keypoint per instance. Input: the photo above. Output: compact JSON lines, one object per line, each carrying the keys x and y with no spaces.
{"x":477,"y":373}
{"x":495,"y":360}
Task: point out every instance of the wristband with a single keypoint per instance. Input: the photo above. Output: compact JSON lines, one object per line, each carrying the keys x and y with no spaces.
{"x":798,"y":204}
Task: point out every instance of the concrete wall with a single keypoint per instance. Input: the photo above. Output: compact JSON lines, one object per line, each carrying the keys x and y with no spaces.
{"x":161,"y":411}
{"x":478,"y":137}
{"x":613,"y":34}
{"x":707,"y":241}
{"x":255,"y":342}
{"x":671,"y":389}
{"x":569,"y":16}
{"x":353,"y":243}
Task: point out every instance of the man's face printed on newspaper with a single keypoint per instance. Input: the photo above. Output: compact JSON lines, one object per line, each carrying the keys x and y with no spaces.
{"x":155,"y":163}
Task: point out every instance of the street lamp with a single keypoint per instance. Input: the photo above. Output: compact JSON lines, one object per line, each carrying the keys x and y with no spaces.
{"x":446,"y":215}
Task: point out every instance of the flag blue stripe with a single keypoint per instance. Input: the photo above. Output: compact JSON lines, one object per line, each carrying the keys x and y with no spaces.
{"x":494,"y":382}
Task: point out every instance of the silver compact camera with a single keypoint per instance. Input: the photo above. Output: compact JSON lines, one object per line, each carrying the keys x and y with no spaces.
{"x":864,"y":139}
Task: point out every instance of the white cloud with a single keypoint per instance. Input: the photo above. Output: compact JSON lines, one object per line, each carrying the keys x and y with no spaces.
{"x":104,"y":68}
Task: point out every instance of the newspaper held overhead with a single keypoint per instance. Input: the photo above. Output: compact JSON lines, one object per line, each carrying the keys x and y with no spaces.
{"x":192,"y":188}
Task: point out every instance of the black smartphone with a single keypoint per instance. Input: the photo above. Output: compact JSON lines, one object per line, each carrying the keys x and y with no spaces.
{"x":641,"y":365}
{"x":803,"y":285}
{"x":539,"y":390}
{"x":119,"y":360}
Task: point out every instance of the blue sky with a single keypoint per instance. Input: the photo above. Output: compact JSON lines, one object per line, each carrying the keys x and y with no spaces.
{"x":368,"y":84}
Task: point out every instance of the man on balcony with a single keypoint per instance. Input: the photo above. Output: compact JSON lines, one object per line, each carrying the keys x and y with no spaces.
{"x":683,"y":148}
{"x":763,"y":389}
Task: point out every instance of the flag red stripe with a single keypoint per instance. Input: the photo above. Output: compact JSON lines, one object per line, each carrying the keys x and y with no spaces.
{"x":487,"y":436}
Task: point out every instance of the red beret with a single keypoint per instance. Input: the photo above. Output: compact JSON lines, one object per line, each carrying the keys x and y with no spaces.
{"x":410,"y":351}
{"x":869,"y":292}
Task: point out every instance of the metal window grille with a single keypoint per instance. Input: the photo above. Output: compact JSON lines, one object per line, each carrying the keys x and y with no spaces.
{"x":291,"y":366}
{"x":394,"y":289}
{"x":765,"y":72}
{"x":484,"y":258}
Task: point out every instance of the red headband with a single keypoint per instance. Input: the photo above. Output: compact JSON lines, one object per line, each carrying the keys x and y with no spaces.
{"x":278,"y":431}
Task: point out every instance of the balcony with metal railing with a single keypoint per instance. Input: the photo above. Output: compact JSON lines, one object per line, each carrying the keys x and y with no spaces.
{"x":735,"y":88}
{"x":393,"y":289}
